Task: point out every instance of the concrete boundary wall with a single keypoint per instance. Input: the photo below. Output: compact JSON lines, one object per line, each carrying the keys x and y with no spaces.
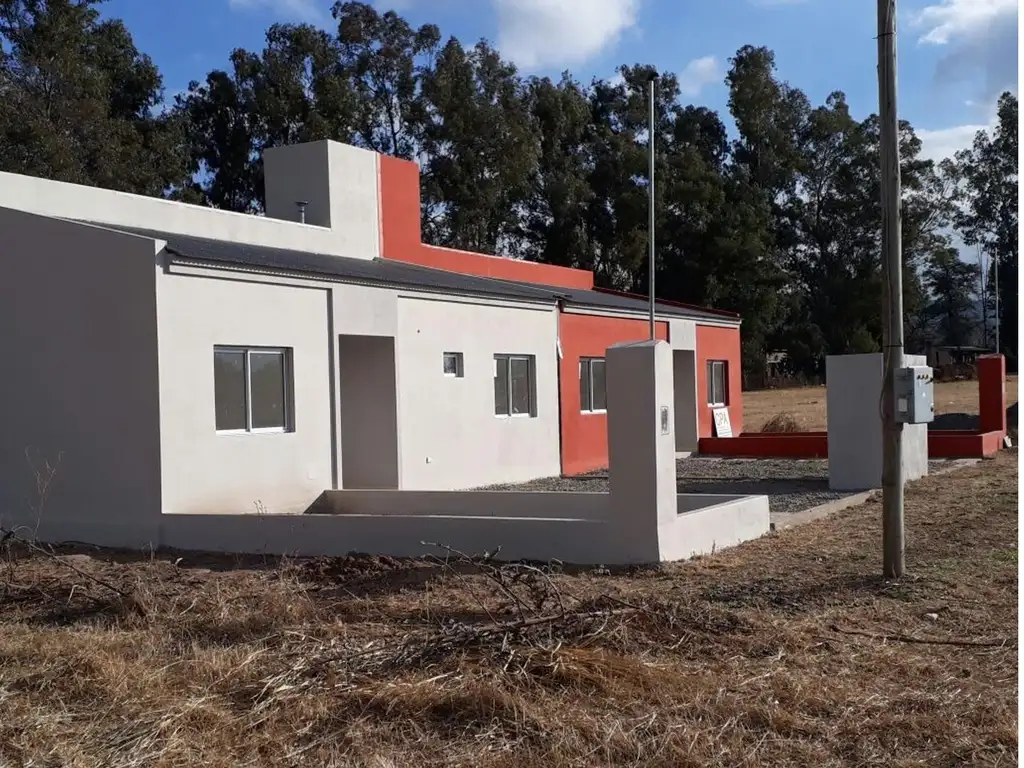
{"x":641,"y":520}
{"x":570,"y":527}
{"x":506,"y":504}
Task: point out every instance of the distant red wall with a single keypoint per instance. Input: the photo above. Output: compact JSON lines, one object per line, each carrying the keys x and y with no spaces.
{"x":585,"y":435}
{"x":399,"y":191}
{"x":992,"y":393}
{"x":714,"y":343}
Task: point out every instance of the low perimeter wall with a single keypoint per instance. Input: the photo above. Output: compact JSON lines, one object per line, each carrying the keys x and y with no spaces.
{"x":570,"y":527}
{"x":942,"y":444}
{"x":952,"y":444}
{"x":759,"y":445}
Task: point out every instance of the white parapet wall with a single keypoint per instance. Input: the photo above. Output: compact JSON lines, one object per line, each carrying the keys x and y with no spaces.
{"x":854,"y":405}
{"x":349,"y":225}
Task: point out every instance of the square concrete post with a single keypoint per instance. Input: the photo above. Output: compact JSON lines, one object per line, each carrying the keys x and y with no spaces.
{"x":853,"y":400}
{"x":641,"y":438}
{"x":992,"y":393}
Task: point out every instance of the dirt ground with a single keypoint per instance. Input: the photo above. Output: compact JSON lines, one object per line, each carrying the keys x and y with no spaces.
{"x":788,"y":651}
{"x":808,"y":403}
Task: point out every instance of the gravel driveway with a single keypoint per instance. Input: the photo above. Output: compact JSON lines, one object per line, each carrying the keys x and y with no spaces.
{"x":791,"y":485}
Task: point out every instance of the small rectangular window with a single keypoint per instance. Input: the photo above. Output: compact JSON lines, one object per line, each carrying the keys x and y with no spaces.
{"x":514,"y":385}
{"x":592,"y":385}
{"x":252,"y":389}
{"x":718,"y":383}
{"x":452,"y":364}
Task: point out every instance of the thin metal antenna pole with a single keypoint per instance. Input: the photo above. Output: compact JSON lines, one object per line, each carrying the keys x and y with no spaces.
{"x":650,"y":193}
{"x":892,"y":303}
{"x":995,"y":279}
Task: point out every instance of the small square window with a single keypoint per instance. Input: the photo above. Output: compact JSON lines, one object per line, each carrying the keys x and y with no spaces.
{"x":718,"y":383}
{"x":514,"y":385}
{"x":592,"y":385}
{"x":252,"y":389}
{"x":452,"y":364}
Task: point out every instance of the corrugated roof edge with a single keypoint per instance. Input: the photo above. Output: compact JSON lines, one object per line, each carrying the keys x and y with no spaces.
{"x":725,"y":314}
{"x":386,"y":272}
{"x":383,"y":273}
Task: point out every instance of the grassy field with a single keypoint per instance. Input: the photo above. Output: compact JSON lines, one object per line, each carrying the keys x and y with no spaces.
{"x":808,"y":403}
{"x":788,"y":651}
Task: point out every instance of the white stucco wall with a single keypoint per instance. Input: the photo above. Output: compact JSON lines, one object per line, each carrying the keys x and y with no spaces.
{"x":450,"y":437}
{"x":340,"y":183}
{"x":208,"y":472}
{"x":682,"y":334}
{"x":354,"y":224}
{"x":78,"y":389}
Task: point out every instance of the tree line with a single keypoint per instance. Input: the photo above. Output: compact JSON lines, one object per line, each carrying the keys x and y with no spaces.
{"x":778,"y":220}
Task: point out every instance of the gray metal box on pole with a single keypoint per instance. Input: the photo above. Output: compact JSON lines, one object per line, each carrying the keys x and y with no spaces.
{"x":915,"y":394}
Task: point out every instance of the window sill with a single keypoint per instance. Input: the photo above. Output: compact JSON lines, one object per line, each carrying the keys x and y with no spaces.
{"x":514,"y":416}
{"x":267,"y":431}
{"x":601,"y":412}
{"x":717,"y":405}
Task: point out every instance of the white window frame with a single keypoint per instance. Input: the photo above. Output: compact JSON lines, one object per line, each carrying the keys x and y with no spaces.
{"x":711,"y":365}
{"x":587,"y":362}
{"x":459,"y":370}
{"x":286,"y":354}
{"x":531,"y":379}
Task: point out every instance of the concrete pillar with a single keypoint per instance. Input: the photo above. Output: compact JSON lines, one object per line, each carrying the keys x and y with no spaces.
{"x":338,"y":183}
{"x":992,"y":393}
{"x":854,"y":389}
{"x":641,"y":434}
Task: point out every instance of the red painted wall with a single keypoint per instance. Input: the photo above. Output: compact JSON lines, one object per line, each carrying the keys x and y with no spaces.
{"x":399,"y":190}
{"x":585,"y":435}
{"x":992,"y":393}
{"x":714,"y":343}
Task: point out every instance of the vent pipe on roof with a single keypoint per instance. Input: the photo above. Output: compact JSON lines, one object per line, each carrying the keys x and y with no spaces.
{"x":301,"y":205}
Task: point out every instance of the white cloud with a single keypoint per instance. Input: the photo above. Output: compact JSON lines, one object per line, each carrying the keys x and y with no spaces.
{"x":938,"y":144}
{"x":699,"y":73}
{"x":948,"y":20}
{"x":945,"y":142}
{"x":979,"y":37}
{"x":311,"y":11}
{"x":538,"y":34}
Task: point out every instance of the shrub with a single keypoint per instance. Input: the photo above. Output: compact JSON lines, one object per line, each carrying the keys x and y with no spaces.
{"x":783,"y":422}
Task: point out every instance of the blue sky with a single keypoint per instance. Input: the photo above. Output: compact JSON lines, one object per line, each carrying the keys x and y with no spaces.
{"x":955,"y":55}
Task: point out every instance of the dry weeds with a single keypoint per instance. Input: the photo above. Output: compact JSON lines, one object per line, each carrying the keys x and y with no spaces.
{"x":789,"y":651}
{"x":783,"y":423}
{"x":810,"y":404}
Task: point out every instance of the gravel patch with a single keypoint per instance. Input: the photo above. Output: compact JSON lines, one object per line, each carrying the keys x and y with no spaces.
{"x":791,"y":485}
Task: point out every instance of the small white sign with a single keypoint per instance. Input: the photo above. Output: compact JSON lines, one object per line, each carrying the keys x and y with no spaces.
{"x":723,"y":428}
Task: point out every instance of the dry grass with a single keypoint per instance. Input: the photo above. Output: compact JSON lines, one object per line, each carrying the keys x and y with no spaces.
{"x":747,"y":658}
{"x":809,"y":402}
{"x":783,"y":423}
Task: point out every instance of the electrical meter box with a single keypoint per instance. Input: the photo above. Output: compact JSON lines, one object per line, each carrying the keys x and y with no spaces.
{"x":915,"y":396}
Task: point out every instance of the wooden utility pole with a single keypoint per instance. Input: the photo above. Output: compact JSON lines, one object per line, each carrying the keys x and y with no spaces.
{"x":892,"y":299}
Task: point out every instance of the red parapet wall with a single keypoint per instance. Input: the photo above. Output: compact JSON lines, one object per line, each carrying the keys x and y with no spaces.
{"x":401,"y":237}
{"x":481,"y":265}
